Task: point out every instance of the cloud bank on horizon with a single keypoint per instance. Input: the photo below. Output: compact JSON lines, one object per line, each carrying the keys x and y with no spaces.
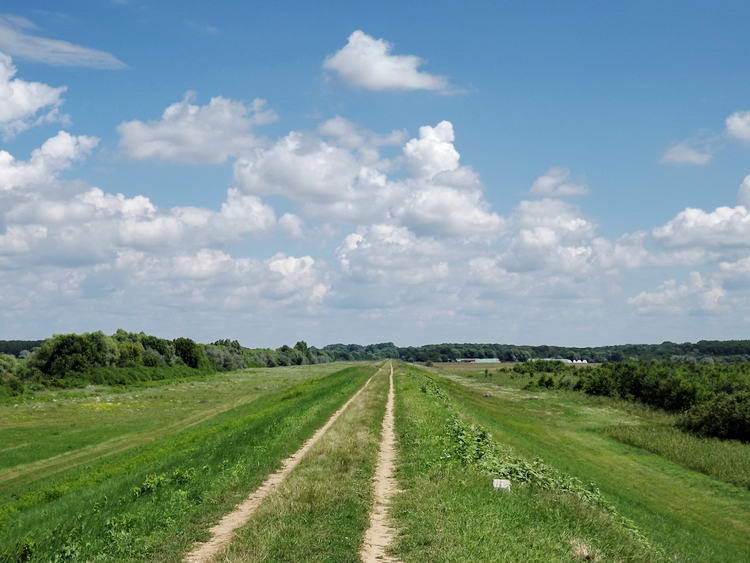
{"x":394,"y":227}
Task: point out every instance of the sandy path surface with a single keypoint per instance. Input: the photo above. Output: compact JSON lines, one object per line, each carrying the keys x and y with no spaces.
{"x":380,"y":534}
{"x":222,"y":533}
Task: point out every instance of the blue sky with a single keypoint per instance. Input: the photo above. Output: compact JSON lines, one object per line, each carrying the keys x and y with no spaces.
{"x":600,"y":195}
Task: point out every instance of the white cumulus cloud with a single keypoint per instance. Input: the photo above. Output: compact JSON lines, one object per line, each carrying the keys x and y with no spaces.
{"x":738,"y":125}
{"x":366,"y":62}
{"x":698,"y":294}
{"x":24,"y":104}
{"x":188,"y":132}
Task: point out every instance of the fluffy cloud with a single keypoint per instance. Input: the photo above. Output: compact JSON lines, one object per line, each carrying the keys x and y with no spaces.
{"x":439,"y":210}
{"x":723,"y":227}
{"x":24,"y":104}
{"x":191,"y":133}
{"x":300,"y":167}
{"x":389,"y":253}
{"x":55,"y":221}
{"x":685,"y":153}
{"x":555,"y":183}
{"x":56,"y":154}
{"x":366,"y":62}
{"x":345,"y":179}
{"x":738,"y":125}
{"x":698,"y":294}
{"x":17,"y":39}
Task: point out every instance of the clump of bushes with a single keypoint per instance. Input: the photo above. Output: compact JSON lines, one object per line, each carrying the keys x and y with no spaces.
{"x":74,"y":360}
{"x":724,"y":416}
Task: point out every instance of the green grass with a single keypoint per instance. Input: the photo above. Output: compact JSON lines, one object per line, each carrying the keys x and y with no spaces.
{"x":154,"y":500}
{"x":727,"y":460}
{"x":55,"y":429}
{"x":690,"y":516}
{"x":320,"y":512}
{"x":449,"y":511}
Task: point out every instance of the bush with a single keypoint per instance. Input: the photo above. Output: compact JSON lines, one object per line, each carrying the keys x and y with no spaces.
{"x":152,"y":358}
{"x":189,"y":352}
{"x":131,"y":353}
{"x":77,"y":353}
{"x":723,"y":416}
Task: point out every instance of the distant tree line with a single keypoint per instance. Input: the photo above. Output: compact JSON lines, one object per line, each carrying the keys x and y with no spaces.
{"x":18,"y":347}
{"x":704,"y":351}
{"x":711,"y":399}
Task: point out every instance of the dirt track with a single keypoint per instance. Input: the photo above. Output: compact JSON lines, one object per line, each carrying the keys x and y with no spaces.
{"x":380,"y":534}
{"x":222,"y":533}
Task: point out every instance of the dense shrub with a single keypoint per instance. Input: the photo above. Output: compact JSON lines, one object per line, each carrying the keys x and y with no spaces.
{"x":189,"y":352}
{"x":723,"y":416}
{"x":78,"y":353}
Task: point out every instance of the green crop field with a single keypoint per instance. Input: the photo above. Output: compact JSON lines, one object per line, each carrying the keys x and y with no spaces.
{"x":146,"y":472}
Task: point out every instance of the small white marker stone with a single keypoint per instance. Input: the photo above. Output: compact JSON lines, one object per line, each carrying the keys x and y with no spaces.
{"x":502,"y":484}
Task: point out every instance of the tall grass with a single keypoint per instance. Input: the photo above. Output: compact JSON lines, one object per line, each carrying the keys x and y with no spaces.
{"x":727,"y":460}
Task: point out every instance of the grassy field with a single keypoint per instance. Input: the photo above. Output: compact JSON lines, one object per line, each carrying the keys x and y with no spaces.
{"x":143,"y":472}
{"x":153,"y":499}
{"x":688,"y":515}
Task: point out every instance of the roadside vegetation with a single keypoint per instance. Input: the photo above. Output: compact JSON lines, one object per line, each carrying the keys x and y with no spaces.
{"x":153,"y":501}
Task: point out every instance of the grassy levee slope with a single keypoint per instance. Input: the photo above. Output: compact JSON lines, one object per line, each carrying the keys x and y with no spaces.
{"x":448,"y":511}
{"x":155,"y":500}
{"x":320,"y":512}
{"x":56,"y":429}
{"x":688,"y":515}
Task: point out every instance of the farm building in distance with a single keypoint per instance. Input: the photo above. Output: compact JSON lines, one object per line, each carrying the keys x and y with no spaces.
{"x":563,"y":360}
{"x":479,"y":360}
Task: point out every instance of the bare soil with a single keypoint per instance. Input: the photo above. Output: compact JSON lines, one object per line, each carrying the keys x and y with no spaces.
{"x":380,"y":534}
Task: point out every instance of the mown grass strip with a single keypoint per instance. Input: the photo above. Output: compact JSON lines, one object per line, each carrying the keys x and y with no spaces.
{"x":320,"y":512}
{"x":449,"y":511}
{"x":155,"y":501}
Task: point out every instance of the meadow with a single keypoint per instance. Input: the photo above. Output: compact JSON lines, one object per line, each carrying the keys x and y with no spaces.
{"x":143,"y":471}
